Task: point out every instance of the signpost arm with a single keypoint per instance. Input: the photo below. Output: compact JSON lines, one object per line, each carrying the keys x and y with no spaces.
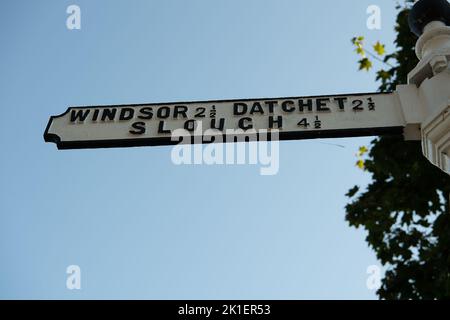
{"x":420,"y":109}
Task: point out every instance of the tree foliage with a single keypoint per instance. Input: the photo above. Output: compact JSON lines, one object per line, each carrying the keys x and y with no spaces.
{"x":405,"y":209}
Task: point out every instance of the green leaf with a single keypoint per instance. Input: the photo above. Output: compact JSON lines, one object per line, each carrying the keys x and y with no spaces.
{"x":404,"y":210}
{"x":383,"y":75}
{"x":360,"y":51}
{"x":365,"y":64}
{"x":352,"y":191}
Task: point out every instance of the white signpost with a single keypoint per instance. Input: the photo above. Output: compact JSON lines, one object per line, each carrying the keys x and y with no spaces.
{"x":419,"y":110}
{"x":293,"y":118}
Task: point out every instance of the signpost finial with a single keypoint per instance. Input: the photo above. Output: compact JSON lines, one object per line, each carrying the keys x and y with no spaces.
{"x":425,"y":11}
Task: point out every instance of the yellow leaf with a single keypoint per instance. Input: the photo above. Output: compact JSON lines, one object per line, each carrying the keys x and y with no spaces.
{"x":360,"y":51}
{"x":360,"y":164}
{"x":362,"y":150}
{"x":379,"y":48}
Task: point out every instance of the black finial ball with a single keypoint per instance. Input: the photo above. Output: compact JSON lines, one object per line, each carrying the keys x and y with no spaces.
{"x":425,"y":11}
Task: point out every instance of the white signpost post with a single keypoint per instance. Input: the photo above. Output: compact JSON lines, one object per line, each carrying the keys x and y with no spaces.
{"x":419,"y":110}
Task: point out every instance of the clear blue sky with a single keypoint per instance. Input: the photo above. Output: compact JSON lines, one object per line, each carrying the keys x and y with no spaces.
{"x":141,"y":227}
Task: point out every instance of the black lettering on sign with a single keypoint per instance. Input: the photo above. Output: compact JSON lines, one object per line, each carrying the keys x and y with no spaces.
{"x":357,"y":105}
{"x":317,"y":123}
{"x":287,"y":106}
{"x":109,"y":114}
{"x":302,"y":105}
{"x":189,"y":125}
{"x":278,"y":121}
{"x":163,"y":112}
{"x":200,"y":112}
{"x":371,"y":104}
{"x":161,"y":128}
{"x":321,"y":104}
{"x":303,"y":123}
{"x":220,"y":126}
{"x":79,"y":115}
{"x":95,"y":116}
{"x":256,"y":108}
{"x":340,"y":101}
{"x":146,"y":113}
{"x":271,"y":104}
{"x":245,"y":123}
{"x":180,"y":110}
{"x":239,"y":108}
{"x":212,"y":112}
{"x":139,"y":128}
{"x":126,"y":114}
